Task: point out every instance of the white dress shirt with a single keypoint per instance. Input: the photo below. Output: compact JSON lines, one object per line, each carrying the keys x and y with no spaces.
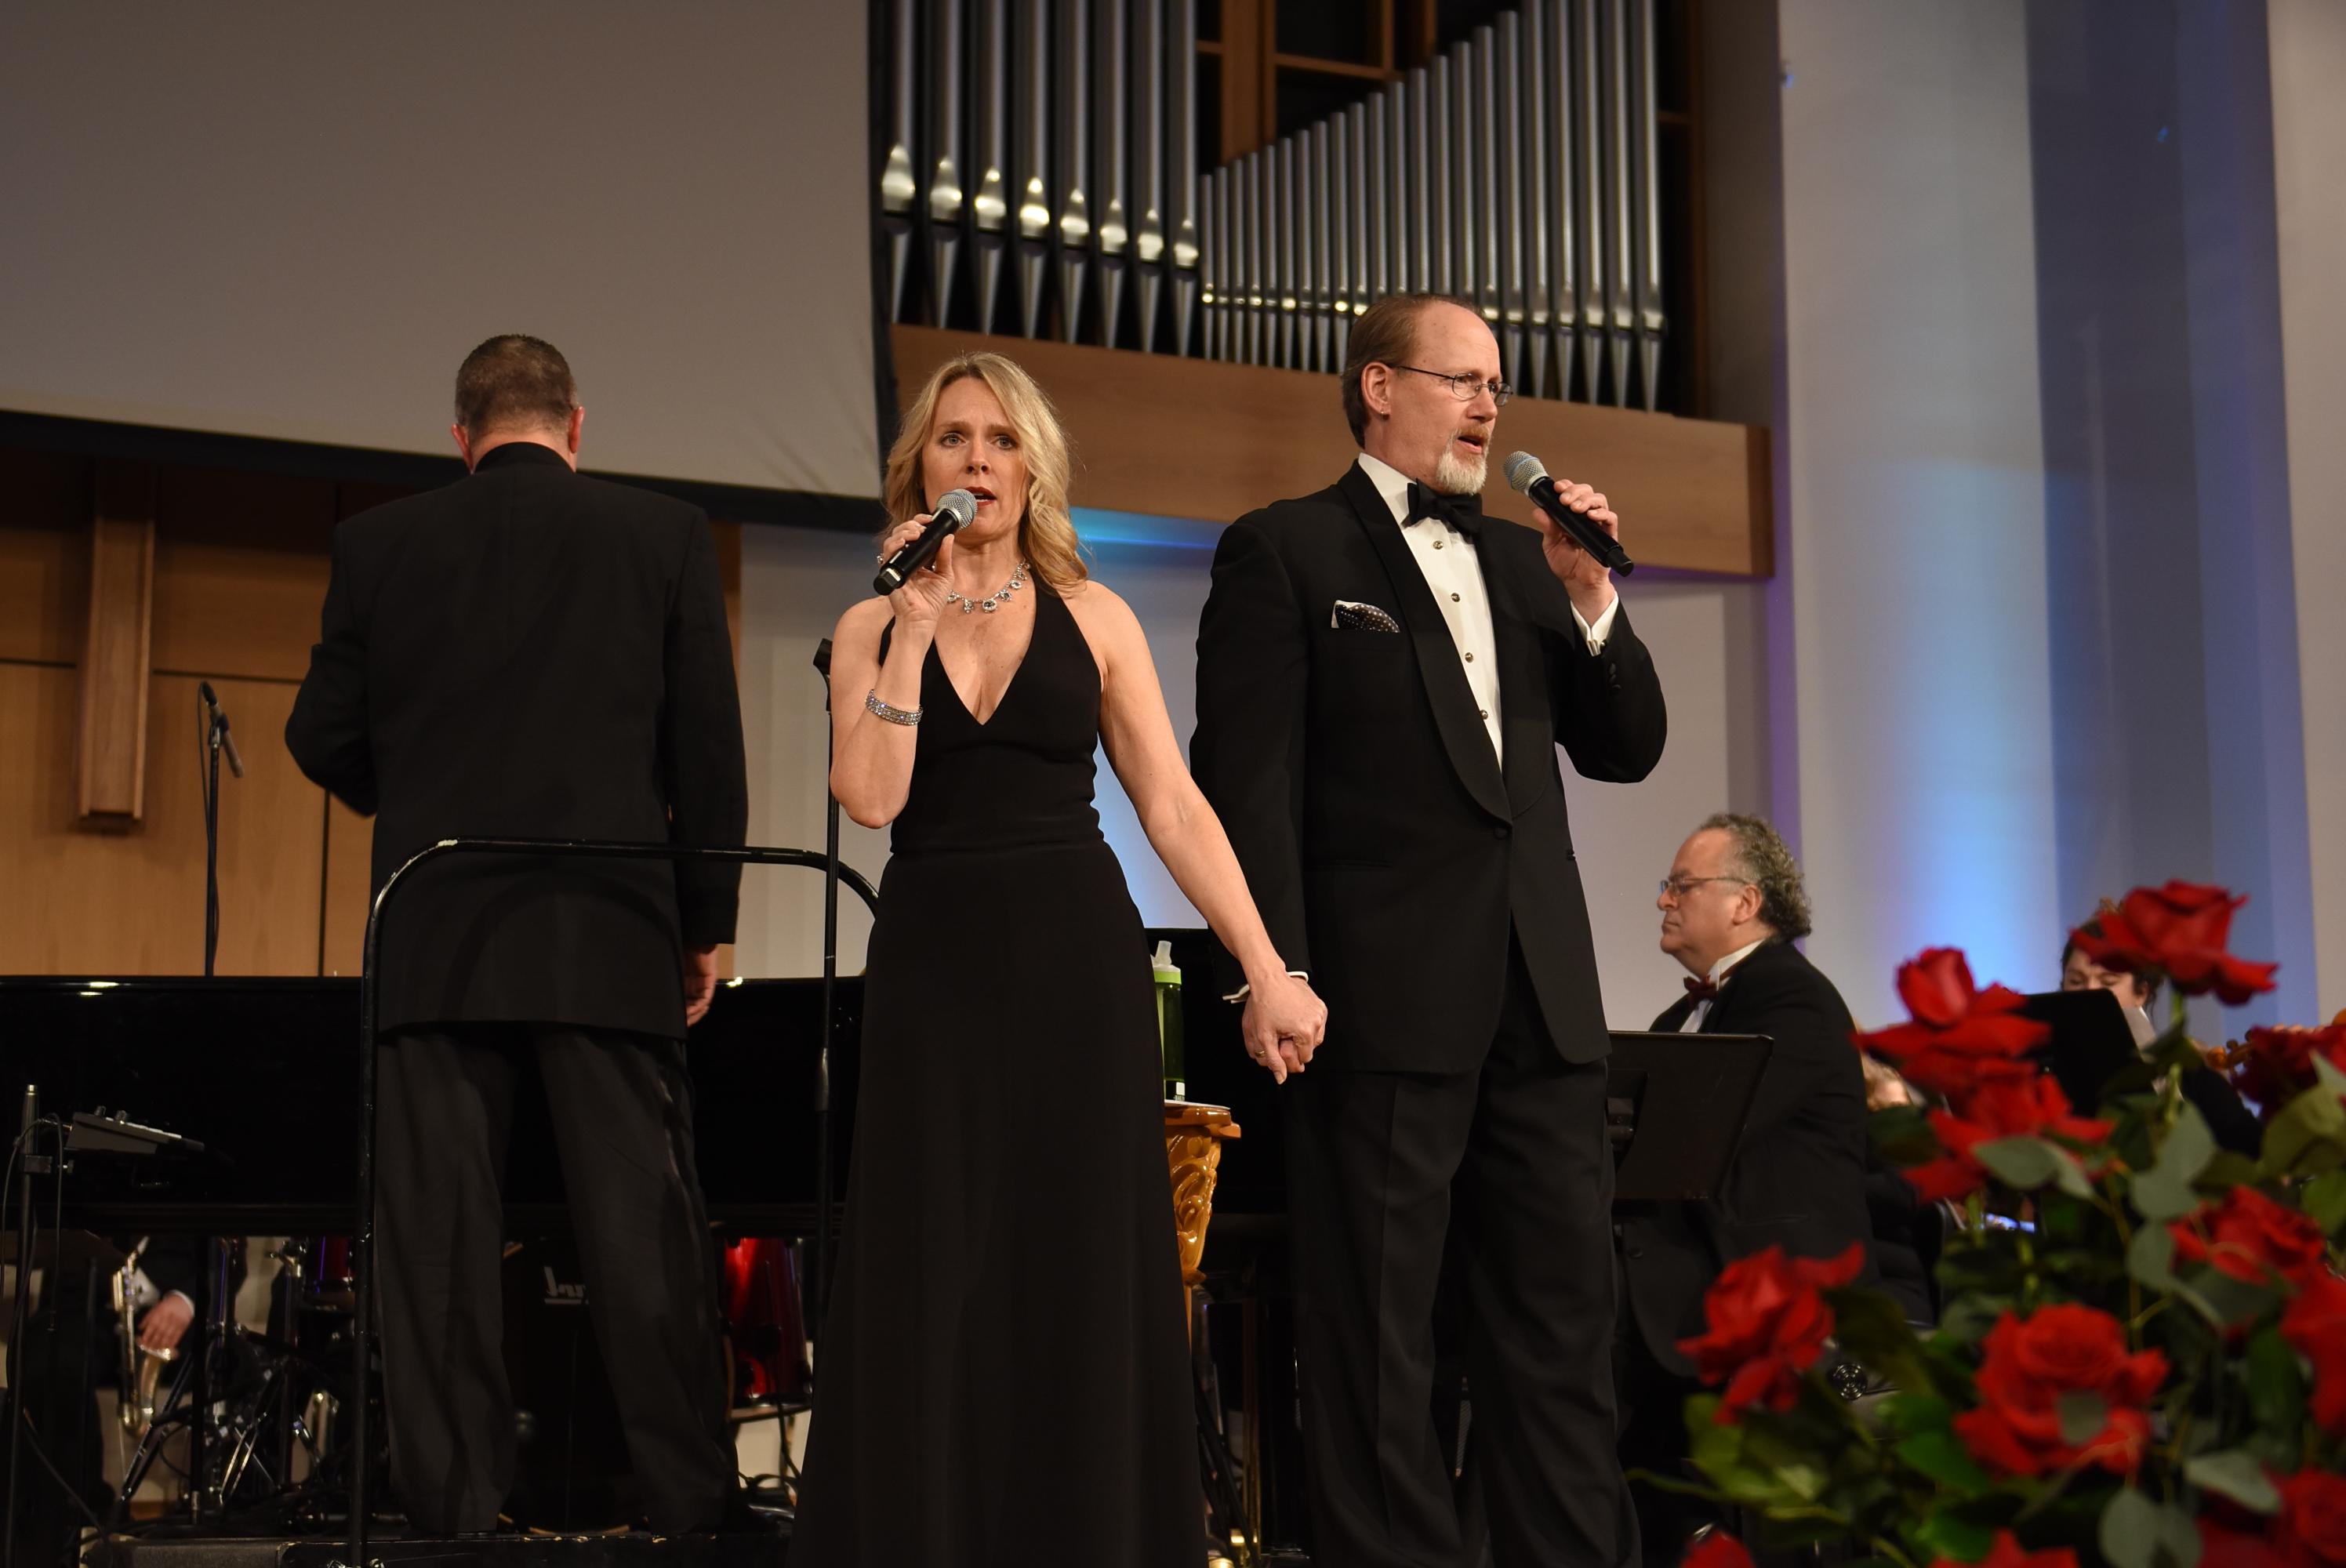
{"x":1693,"y":1025}
{"x":1454,"y":573}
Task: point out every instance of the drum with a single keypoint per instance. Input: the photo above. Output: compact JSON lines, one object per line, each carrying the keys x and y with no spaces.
{"x":765,"y":1322}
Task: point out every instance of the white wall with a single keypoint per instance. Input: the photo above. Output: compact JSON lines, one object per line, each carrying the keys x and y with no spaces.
{"x":1914,"y":485}
{"x":795,"y":581}
{"x":2309,"y":59}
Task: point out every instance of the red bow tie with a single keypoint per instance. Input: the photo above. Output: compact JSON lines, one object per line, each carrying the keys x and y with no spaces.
{"x":1701,"y":989}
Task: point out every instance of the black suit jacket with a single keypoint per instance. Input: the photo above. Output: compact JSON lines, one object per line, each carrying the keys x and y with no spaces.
{"x":1384,"y":844}
{"x":1798,"y":1179}
{"x":532,"y":652}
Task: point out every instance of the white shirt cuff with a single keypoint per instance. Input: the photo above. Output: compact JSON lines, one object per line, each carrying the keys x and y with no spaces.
{"x":1603,"y":629}
{"x":1240,"y":994}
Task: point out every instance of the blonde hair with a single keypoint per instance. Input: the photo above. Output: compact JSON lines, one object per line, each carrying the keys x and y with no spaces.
{"x":1047,"y":534}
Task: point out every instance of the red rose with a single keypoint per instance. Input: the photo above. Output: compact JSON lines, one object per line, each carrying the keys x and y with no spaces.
{"x":2180,"y":930}
{"x":2028,"y":1366}
{"x":2007,"y":1552}
{"x":1716,"y":1550}
{"x":1998,"y":1109}
{"x":2311,"y":1529}
{"x":2223,"y":1547}
{"x":1769,"y":1324}
{"x":2315,"y":1323}
{"x":2273,"y":1065}
{"x":1959,"y":1035}
{"x":2251,"y":1238}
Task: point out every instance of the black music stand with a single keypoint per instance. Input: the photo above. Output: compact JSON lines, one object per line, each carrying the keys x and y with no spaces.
{"x":2092,"y":1042}
{"x":1681,"y":1099}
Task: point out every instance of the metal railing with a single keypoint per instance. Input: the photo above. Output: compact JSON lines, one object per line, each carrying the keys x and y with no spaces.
{"x":364,"y":1215}
{"x":1053,"y":144}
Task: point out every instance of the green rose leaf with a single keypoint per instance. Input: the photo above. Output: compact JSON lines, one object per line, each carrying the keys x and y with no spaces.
{"x":2308,"y":1137}
{"x":2150,"y":1257}
{"x":2328,"y":1075}
{"x":1945,"y":1460}
{"x":2137,"y":1532}
{"x":1717,"y":1452}
{"x":2024,"y":1163}
{"x":2083,"y":1416}
{"x":2324,"y":1198}
{"x":1950,"y":1535}
{"x":2167,"y":1191}
{"x":2276,"y":1391}
{"x":2028,"y":1163}
{"x":2237,"y":1476}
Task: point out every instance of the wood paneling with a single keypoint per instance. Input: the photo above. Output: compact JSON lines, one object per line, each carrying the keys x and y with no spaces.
{"x":133,"y":903}
{"x":1178,"y":437}
{"x":43,"y":554}
{"x":350,"y":884}
{"x":110,"y":727}
{"x":241,"y":561}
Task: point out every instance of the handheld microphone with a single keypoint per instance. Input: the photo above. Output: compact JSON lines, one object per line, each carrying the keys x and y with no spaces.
{"x":1526,"y":476}
{"x":954,"y":510}
{"x":220,"y":727}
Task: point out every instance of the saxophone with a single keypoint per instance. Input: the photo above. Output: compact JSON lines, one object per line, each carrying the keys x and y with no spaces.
{"x":141,"y":1368}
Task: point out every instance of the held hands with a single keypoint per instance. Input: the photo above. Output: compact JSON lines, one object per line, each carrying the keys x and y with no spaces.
{"x":921,"y":599}
{"x":1588,"y":581}
{"x":1282,"y":1024}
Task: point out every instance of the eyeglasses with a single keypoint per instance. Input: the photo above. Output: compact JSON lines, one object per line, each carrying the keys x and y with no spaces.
{"x":1677,"y":888}
{"x":1464,"y":386}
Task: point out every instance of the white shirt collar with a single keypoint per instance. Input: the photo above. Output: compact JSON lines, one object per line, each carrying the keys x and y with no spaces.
{"x":1391,"y":483}
{"x":1719,"y":971}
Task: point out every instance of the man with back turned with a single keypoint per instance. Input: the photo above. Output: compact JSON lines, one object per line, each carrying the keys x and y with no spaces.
{"x":529,"y":652}
{"x":1384,"y":675}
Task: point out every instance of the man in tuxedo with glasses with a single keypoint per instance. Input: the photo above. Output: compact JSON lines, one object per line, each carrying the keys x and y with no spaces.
{"x":1384,"y":675}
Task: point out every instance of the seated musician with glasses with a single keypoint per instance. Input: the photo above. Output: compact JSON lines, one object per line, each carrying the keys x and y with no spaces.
{"x":1731,"y":907}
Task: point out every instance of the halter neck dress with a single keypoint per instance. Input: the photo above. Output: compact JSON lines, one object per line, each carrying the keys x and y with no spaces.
{"x":1003,"y":1376}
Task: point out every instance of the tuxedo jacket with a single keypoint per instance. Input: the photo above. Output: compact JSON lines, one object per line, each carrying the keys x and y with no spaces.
{"x":532,"y":652}
{"x":1798,"y":1179}
{"x":1387,"y":848}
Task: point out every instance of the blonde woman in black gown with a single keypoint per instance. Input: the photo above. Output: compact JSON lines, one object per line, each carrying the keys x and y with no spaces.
{"x":1004,"y":1373}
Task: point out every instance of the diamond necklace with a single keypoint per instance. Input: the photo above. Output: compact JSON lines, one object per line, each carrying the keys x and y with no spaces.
{"x":1018,"y":581}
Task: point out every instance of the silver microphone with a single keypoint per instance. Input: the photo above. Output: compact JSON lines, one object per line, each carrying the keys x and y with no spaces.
{"x":1526,"y":476}
{"x":954,"y":511}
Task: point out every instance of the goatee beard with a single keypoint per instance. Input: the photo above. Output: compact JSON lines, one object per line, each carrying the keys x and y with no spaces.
{"x":1453,"y":475}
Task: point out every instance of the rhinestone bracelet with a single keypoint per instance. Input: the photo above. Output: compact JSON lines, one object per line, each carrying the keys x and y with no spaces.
{"x":879,"y":710}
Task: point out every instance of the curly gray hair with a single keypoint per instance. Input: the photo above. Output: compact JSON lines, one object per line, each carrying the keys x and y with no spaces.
{"x":1762,"y":860}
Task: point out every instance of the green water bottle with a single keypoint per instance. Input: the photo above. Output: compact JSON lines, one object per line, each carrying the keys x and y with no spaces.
{"x":1168,"y":1022}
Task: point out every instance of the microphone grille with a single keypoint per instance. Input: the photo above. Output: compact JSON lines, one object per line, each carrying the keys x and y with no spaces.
{"x":1522,"y":470}
{"x":958,"y":504}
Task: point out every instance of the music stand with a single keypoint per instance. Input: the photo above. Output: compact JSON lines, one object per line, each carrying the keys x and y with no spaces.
{"x":2092,"y":1040}
{"x":1683,"y":1098}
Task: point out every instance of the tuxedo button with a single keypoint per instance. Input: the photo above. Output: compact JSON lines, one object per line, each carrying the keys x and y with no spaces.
{"x":1500,"y":830}
{"x":1454,"y":598}
{"x":1470,"y":659}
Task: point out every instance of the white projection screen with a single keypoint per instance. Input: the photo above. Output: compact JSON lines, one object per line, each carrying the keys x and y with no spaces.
{"x":293,"y":221}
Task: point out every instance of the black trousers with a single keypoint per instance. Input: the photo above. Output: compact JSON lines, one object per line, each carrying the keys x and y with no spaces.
{"x":622,"y":1116}
{"x":1509,"y":1165}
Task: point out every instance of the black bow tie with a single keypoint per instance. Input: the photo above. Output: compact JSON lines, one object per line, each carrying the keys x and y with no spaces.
{"x":1459,"y":512}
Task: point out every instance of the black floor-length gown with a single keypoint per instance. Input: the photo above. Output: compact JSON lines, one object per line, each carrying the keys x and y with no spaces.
{"x":1003,"y":1374}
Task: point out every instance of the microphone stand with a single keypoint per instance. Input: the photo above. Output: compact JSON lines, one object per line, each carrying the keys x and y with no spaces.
{"x":823,"y":1222}
{"x":214,"y":723}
